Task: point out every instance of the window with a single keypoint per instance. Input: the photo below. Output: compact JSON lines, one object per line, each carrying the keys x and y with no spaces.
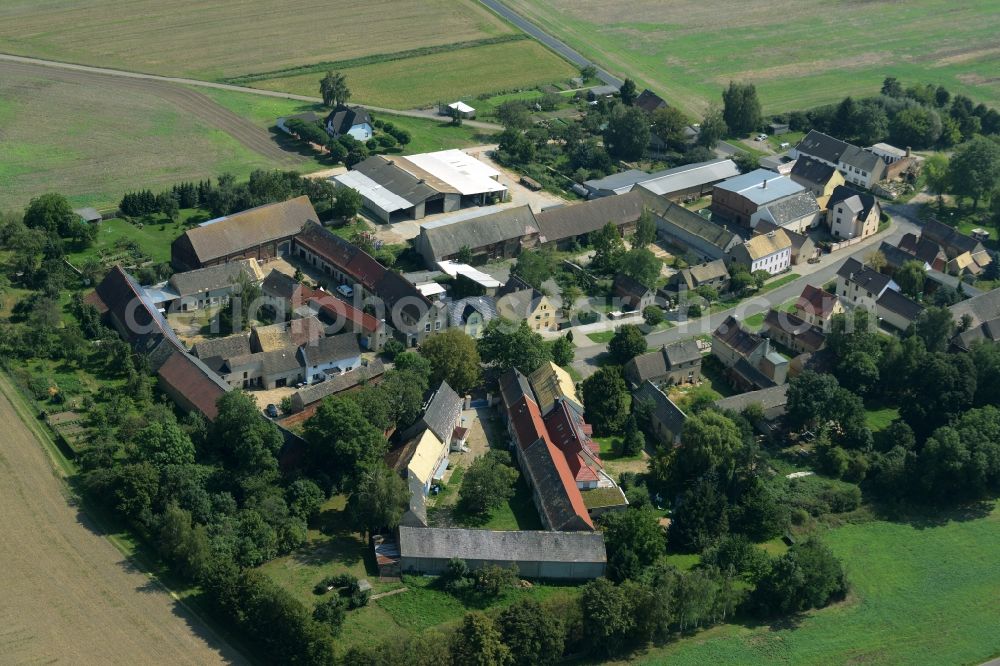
{"x":437,"y":326}
{"x":427,"y":327}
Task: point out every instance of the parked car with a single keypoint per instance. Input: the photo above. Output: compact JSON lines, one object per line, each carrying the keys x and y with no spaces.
{"x":345,"y":290}
{"x":271,"y":411}
{"x":761,"y":137}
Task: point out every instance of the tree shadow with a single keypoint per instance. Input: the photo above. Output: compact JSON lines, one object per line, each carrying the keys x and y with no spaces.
{"x":924,"y":517}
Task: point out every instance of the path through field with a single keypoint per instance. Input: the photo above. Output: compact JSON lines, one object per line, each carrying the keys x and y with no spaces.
{"x":66,"y":594}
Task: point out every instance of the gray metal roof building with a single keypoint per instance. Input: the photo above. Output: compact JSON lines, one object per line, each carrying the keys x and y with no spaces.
{"x":761,"y":186}
{"x":689,"y":176}
{"x":695,"y":233}
{"x":506,"y":227}
{"x":540,"y":555}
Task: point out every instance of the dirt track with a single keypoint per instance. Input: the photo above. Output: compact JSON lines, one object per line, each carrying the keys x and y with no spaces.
{"x":66,"y":594}
{"x":189,"y":101}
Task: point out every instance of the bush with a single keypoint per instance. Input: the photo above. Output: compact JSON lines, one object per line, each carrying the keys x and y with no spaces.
{"x":359,"y":599}
{"x":694,"y":311}
{"x":392,"y":347}
{"x":331,"y":613}
{"x":652,"y":315}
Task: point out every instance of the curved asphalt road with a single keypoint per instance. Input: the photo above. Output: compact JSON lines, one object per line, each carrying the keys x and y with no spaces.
{"x":417,"y":113}
{"x":556,"y":45}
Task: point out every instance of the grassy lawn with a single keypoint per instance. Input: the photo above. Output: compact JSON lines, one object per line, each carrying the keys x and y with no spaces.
{"x":922,"y":593}
{"x":879,"y":418}
{"x":153,"y":239}
{"x":688,"y":51}
{"x":232,"y":37}
{"x":774,"y":283}
{"x":425,"y":80}
{"x":517,"y":513}
{"x":601,"y":337}
{"x":573,"y":373}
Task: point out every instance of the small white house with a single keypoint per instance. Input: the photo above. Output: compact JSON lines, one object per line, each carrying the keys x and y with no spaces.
{"x":332,"y":355}
{"x":771,"y":252}
{"x":350,"y":120}
{"x":461,"y":108}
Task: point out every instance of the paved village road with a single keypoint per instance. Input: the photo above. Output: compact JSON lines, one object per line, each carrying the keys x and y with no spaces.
{"x":413,"y":113}
{"x":68,"y":595}
{"x":903,"y":221}
{"x":556,"y":45}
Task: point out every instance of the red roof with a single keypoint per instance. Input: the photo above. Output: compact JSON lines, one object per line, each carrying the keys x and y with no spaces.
{"x":817,"y":302}
{"x":339,"y":310}
{"x":565,"y":428}
{"x":193,"y":383}
{"x":568,"y":481}
{"x":349,"y":258}
{"x":527,"y":420}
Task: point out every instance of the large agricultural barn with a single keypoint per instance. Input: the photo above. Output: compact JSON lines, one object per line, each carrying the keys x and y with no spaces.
{"x":411,"y":187}
{"x":260,"y":233}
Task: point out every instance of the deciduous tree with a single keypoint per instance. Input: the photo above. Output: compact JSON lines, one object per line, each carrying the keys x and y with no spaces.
{"x":454,"y":359}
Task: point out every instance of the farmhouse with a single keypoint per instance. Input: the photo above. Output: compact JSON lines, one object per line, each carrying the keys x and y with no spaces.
{"x":519,"y":301}
{"x":750,"y":362}
{"x":711,"y":274}
{"x":649,"y":101}
{"x":821,"y":147}
{"x":191,"y":384}
{"x":695,"y":234}
{"x":861,"y":286}
{"x":983,"y":316}
{"x":690,"y":180}
{"x":897,"y":310}
{"x":666,"y":418}
{"x":803,"y":246}
{"x":853,"y":214}
{"x":818,"y":306}
{"x":498,"y":235}
{"x":818,"y":177}
{"x":417,"y":185}
{"x":633,"y":294}
{"x":352,"y":121}
{"x":965,"y":254}
{"x":771,"y":252}
{"x":737,"y":199}
{"x":261,"y":233}
{"x":210,"y":286}
{"x":128,"y":309}
{"x":676,"y":363}
{"x":564,"y":224}
{"x":858,"y":166}
{"x":538,"y":555}
{"x":793,"y":332}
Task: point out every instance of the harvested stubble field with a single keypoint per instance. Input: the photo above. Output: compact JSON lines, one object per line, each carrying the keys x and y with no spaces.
{"x":800,"y":53}
{"x":227,"y":38}
{"x":93,"y":137}
{"x":422,"y":80}
{"x":68,"y":595}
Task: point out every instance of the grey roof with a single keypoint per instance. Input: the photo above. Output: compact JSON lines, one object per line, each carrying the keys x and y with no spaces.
{"x":751,"y":374}
{"x":616,"y":181}
{"x":316,"y":392}
{"x":893,"y":301}
{"x":567,"y":221}
{"x":863,"y":204}
{"x":88,"y":214}
{"x":684,"y":351}
{"x":201,"y":280}
{"x":822,"y":146}
{"x":812,"y":171}
{"x":760,"y":186}
{"x":711,"y":270}
{"x":442,"y":412}
{"x":982,"y":308}
{"x":278,"y":285}
{"x":624,"y":284}
{"x":952,"y":241}
{"x":895,"y":257}
{"x":862,"y":159}
{"x":793,"y":208}
{"x":865,"y":277}
{"x":810,"y":337}
{"x":513,"y":386}
{"x":332,"y":348}
{"x":504,"y":225}
{"x":343,"y":118}
{"x":649,"y":101}
{"x":460,"y":310}
{"x":554,"y":501}
{"x":694,"y":224}
{"x":227,"y":347}
{"x":521,"y":546}
{"x":684,"y":177}
{"x":664,"y":410}
{"x":395,"y":179}
{"x":772,"y":400}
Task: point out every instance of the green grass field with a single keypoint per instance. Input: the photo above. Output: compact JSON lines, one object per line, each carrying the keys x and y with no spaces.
{"x":425,"y":80}
{"x":922,"y":593}
{"x":227,"y":38}
{"x":879,"y":418}
{"x":800,"y":53}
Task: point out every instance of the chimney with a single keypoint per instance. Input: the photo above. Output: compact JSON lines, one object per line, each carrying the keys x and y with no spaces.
{"x":763,"y":185}
{"x":909,"y":152}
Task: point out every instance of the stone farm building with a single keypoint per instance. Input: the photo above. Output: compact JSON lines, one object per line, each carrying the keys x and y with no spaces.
{"x":564,"y":224}
{"x":538,"y":555}
{"x":261,"y":233}
{"x":693,"y":233}
{"x":499,"y":235}
{"x":397,"y":188}
{"x":737,"y":199}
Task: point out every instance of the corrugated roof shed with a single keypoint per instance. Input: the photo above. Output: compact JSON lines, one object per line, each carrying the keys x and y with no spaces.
{"x":504,"y":225}
{"x":678,"y":179}
{"x":556,"y":224}
{"x":761,"y":186}
{"x":381,"y":196}
{"x":460,"y":171}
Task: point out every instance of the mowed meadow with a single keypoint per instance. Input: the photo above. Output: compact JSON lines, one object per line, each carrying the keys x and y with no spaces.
{"x":800,"y":53}
{"x":446,"y":76}
{"x":922,"y":593}
{"x":227,"y":38}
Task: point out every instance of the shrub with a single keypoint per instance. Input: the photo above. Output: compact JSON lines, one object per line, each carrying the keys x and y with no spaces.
{"x":359,"y":599}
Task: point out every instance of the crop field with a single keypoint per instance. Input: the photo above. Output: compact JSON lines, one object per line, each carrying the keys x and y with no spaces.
{"x":227,"y":38}
{"x":800,"y":53}
{"x":68,"y":595}
{"x":922,"y":593}
{"x":92,"y":137}
{"x":424,"y":80}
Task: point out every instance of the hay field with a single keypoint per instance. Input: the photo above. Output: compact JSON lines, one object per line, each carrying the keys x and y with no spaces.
{"x":225,"y":38}
{"x":800,"y":53}
{"x":93,"y":137}
{"x":69,"y":596}
{"x":423,"y":80}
